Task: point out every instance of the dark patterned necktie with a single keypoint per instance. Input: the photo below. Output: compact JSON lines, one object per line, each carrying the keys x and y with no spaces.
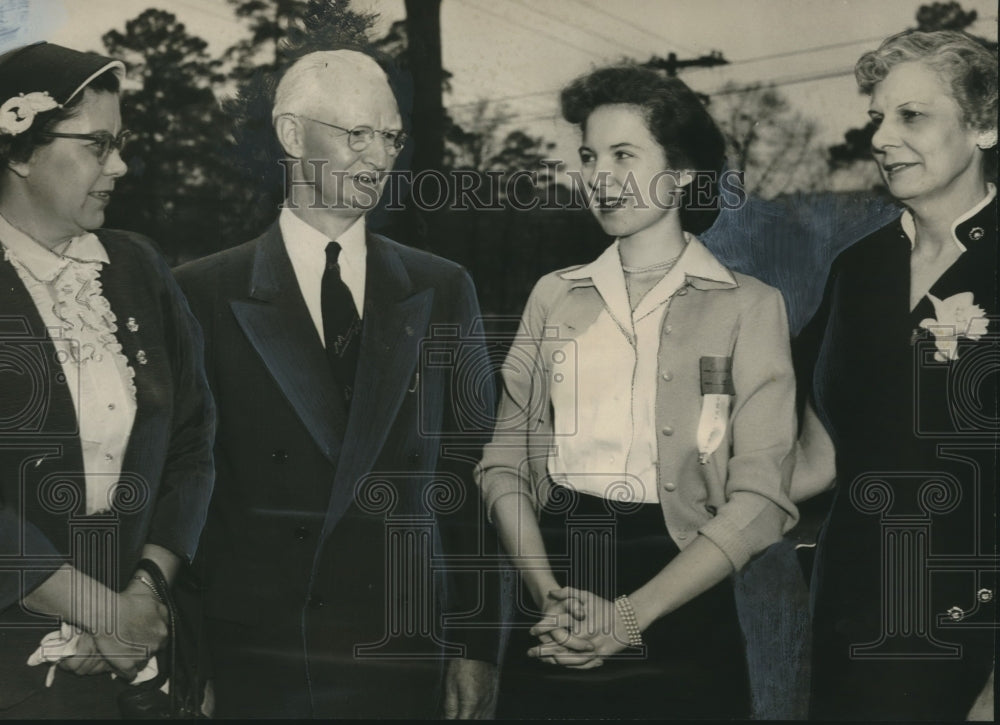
{"x":341,"y":324}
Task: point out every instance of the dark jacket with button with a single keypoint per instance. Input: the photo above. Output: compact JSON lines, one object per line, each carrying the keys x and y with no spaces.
{"x":317,"y":509}
{"x":905,"y":578}
{"x":167,"y":472}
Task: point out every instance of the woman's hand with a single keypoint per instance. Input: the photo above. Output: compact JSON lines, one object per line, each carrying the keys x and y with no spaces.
{"x":139,"y":632}
{"x":87,"y":660}
{"x":561,"y":610}
{"x":588,"y":629}
{"x":142,"y":618}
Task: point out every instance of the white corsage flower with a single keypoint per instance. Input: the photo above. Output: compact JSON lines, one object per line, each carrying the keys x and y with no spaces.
{"x":18,"y":113}
{"x":957,"y":317}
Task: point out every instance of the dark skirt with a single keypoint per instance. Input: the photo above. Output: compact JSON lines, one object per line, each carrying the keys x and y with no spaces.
{"x":694,"y":664}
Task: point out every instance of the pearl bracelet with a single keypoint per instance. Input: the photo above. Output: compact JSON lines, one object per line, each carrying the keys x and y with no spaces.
{"x":627,"y":612}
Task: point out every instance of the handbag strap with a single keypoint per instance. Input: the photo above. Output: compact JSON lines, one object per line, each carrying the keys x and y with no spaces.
{"x":165,"y":595}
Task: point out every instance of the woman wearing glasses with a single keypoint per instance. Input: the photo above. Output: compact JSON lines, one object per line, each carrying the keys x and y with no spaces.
{"x":106,"y":422}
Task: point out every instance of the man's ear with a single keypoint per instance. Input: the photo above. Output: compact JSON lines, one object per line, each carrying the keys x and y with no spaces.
{"x":288,"y":129}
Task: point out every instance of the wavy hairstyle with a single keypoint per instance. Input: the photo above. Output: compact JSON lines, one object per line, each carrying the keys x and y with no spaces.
{"x":968,"y":66}
{"x":677,"y":119}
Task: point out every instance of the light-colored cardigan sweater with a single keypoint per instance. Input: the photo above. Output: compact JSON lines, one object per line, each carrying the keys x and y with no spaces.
{"x":738,"y":498}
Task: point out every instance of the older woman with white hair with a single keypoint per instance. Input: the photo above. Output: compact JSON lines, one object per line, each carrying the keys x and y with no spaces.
{"x":904,"y":404}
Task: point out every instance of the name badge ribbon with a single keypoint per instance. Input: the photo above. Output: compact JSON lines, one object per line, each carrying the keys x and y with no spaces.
{"x":716,"y":395}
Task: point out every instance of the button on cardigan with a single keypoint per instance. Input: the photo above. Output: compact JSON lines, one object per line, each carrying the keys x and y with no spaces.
{"x":738,"y":497}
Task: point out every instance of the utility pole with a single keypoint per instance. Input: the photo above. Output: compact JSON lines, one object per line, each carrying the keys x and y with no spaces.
{"x":423,"y":28}
{"x":672,"y":64}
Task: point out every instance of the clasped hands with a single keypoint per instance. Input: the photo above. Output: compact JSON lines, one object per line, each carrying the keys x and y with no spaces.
{"x":578,"y":629}
{"x":132,"y":627}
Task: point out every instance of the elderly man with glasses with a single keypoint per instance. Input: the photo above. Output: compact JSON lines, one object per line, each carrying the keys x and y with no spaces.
{"x":328,"y":559}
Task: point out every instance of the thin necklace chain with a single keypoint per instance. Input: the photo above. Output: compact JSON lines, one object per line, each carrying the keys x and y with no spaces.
{"x":667,"y":265}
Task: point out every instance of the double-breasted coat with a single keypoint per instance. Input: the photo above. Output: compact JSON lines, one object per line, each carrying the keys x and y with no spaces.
{"x":322,"y":562}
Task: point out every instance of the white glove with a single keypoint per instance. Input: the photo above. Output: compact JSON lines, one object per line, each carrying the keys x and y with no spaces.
{"x":62,"y":643}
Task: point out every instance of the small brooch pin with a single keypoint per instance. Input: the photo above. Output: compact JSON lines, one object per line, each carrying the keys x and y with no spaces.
{"x":132,"y":325}
{"x":141,"y":358}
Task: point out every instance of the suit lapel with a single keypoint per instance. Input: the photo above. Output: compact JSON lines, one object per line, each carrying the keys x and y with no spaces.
{"x":395,"y":320}
{"x":276,"y":321}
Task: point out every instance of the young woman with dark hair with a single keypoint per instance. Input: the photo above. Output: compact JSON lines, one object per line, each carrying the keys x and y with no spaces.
{"x":642,"y":448}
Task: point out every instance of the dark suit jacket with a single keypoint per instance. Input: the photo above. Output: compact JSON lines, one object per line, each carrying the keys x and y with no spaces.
{"x":308,"y":496}
{"x":166,"y":479}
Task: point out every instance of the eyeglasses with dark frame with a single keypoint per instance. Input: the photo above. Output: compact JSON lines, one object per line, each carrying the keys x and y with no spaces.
{"x":360,"y":137}
{"x":104,"y":140}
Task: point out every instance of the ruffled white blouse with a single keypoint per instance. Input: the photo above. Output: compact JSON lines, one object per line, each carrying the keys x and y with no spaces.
{"x":66,"y":289}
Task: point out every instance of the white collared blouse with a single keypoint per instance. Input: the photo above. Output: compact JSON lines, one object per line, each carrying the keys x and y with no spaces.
{"x":712,"y":349}
{"x":608,"y":446}
{"x":66,"y":289}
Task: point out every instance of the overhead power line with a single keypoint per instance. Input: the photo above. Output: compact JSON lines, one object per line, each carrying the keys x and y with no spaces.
{"x":771,"y":83}
{"x":776,"y":83}
{"x":502,"y":99}
{"x":531,"y":29}
{"x":803,"y":51}
{"x":581,"y":28}
{"x":634,"y":26}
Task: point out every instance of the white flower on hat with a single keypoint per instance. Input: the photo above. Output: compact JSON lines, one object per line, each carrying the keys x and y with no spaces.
{"x":18,"y":113}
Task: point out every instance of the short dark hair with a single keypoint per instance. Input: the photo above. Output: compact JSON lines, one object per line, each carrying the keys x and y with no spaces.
{"x":20,"y":148}
{"x":676,"y":117}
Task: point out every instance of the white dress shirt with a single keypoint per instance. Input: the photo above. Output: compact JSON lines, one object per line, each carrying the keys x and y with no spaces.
{"x":605,"y":416}
{"x":66,"y":290}
{"x":306,"y":247}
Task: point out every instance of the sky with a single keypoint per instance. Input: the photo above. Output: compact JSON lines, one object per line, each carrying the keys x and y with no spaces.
{"x":520,"y":52}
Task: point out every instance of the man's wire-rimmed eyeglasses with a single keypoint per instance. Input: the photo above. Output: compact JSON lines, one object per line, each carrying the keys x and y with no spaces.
{"x":103,"y":141}
{"x":360,"y":137}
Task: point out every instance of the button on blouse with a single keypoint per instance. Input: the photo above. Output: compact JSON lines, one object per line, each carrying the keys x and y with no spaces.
{"x":66,"y":289}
